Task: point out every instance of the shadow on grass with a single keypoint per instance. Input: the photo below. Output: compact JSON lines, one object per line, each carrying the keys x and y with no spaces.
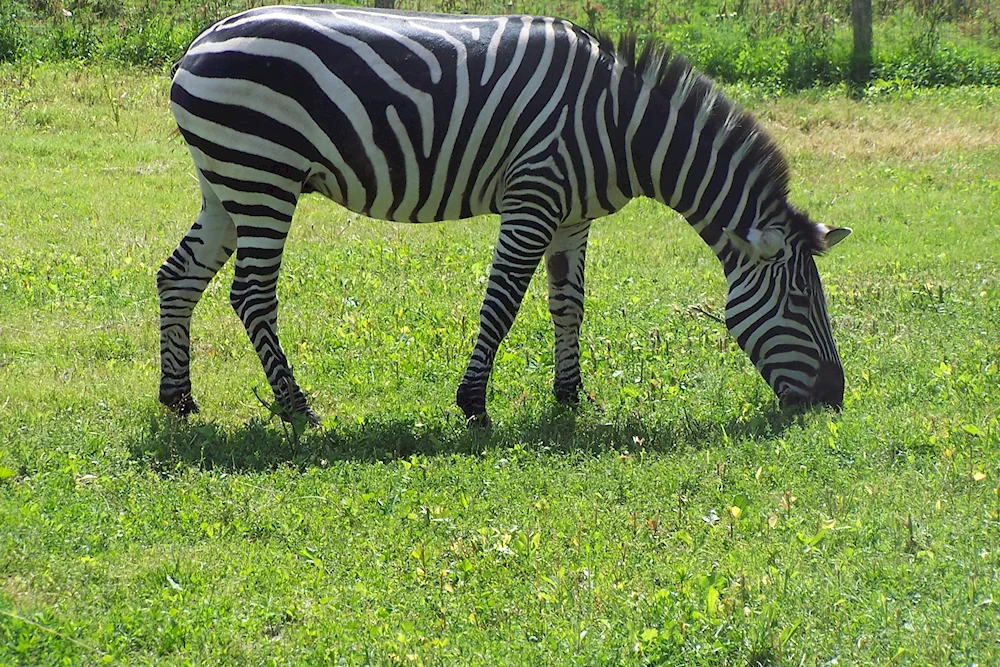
{"x":260,"y":445}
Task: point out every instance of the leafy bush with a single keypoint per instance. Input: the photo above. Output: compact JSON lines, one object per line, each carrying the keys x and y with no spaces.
{"x":13,"y":36}
{"x":73,"y":41}
{"x":152,"y":41}
{"x":814,"y":56}
{"x":946,"y":66}
{"x":770,"y":45}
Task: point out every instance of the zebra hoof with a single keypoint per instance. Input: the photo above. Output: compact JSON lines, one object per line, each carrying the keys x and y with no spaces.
{"x":304,"y":416}
{"x":568,"y":395}
{"x":181,"y":405}
{"x":472,"y":400}
{"x":480,"y":421}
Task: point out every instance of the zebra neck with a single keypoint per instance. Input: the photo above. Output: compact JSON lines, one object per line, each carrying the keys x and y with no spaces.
{"x":694,"y":150}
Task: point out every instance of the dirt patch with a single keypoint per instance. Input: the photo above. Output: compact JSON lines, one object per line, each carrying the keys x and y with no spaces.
{"x":18,"y":590}
{"x":917,"y":131}
{"x":909,"y":143}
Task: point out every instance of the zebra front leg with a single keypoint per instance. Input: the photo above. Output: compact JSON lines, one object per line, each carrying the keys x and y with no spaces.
{"x":564,"y":264}
{"x":180,"y":283}
{"x":259,"y":245}
{"x":519,"y":248}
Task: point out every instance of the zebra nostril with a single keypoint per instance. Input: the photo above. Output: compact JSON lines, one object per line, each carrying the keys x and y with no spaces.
{"x":829,"y":387}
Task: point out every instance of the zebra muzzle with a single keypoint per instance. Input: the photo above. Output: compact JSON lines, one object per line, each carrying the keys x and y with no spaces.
{"x":829,"y":387}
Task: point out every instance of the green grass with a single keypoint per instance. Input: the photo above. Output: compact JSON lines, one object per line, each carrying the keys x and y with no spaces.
{"x":392,"y":534}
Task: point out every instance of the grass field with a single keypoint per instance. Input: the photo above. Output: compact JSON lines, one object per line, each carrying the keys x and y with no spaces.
{"x":682,"y":519}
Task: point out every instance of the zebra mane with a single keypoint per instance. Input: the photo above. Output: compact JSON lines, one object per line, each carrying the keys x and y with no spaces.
{"x":658,"y":65}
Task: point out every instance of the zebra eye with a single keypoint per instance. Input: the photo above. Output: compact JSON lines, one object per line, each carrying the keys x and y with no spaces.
{"x":800,"y":301}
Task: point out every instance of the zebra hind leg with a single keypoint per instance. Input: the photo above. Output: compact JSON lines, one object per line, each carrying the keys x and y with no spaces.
{"x":259,"y":245}
{"x":519,"y":249}
{"x":564,"y":264}
{"x":180,"y":283}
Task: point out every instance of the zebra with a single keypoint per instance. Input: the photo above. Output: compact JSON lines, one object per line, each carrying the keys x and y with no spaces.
{"x":415,"y":117}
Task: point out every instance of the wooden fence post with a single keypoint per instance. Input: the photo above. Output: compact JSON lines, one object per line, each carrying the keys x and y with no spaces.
{"x":861,"y":58}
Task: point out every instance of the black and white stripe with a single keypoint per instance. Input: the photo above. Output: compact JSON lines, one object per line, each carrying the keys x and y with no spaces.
{"x":419,"y":118}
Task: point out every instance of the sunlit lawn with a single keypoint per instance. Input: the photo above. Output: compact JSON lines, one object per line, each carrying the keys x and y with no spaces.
{"x":679,"y":519}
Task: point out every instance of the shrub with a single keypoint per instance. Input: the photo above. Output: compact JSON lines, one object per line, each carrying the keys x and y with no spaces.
{"x":149,"y":41}
{"x":71,"y":40}
{"x":770,"y":45}
{"x":13,"y":36}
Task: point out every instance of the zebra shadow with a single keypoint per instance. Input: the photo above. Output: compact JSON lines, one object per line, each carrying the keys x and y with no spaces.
{"x":260,"y":445}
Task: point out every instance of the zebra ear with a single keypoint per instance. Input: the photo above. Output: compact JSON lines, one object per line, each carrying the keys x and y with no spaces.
{"x":835,"y":235}
{"x":756,"y":243}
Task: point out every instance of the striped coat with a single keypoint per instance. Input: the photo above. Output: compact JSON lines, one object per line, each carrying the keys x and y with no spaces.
{"x":420,"y":118}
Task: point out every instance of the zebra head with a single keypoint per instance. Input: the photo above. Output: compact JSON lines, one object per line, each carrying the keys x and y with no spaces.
{"x":776,"y":309}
